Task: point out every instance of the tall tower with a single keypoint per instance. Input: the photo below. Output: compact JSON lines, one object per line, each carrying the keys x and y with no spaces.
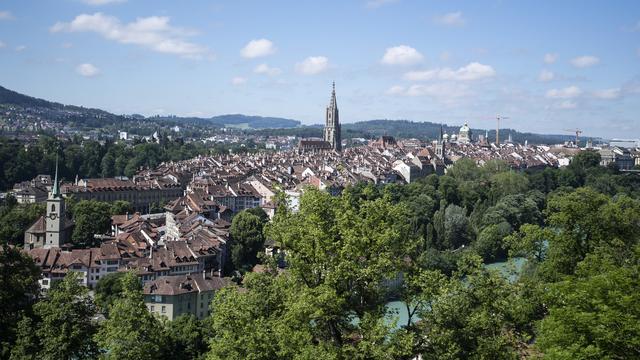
{"x":440,"y":145}
{"x":332,"y":123}
{"x":55,"y":218}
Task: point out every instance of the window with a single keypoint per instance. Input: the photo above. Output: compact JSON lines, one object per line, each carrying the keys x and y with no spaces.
{"x":158,"y":298}
{"x":45,"y":282}
{"x":53,"y":207}
{"x":152,"y":308}
{"x":164,"y":309}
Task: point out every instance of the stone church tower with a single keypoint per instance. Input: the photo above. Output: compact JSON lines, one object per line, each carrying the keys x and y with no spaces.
{"x":440,"y":145}
{"x":332,"y":123}
{"x":55,"y":218}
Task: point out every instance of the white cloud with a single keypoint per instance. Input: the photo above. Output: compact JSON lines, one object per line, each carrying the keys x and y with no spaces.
{"x":396,"y":90}
{"x":566,"y":93}
{"x":313,"y":65}
{"x":567,"y":105}
{"x":550,"y":58}
{"x":470,"y":72}
{"x":102,"y":2}
{"x":20,"y":48}
{"x":374,"y":4}
{"x":546,"y":75}
{"x":2,"y":44}
{"x":451,"y":19}
{"x":6,"y":15}
{"x":258,"y":48}
{"x":238,"y":80}
{"x":152,"y":32}
{"x":607,"y":94}
{"x":87,"y":70}
{"x":446,"y":93}
{"x":401,"y":55}
{"x":265,"y":69}
{"x":585,"y":61}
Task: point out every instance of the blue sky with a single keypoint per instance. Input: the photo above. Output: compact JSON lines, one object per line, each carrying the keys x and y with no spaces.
{"x":548,"y":65}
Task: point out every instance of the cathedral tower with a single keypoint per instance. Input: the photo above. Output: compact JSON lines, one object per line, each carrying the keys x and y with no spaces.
{"x":440,"y":145}
{"x":55,"y":218}
{"x":332,"y":123}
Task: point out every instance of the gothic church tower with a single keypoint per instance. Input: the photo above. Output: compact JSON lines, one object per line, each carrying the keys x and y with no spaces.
{"x":332,"y":123}
{"x":55,"y":218}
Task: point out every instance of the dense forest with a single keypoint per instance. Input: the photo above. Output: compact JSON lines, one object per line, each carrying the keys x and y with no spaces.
{"x":92,"y":159}
{"x":577,"y":295}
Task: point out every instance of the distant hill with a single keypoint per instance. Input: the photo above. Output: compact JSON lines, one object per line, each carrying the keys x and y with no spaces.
{"x":87,"y":118}
{"x":52,"y":111}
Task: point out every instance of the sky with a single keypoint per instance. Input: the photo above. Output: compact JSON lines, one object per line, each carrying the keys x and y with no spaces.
{"x":549,"y":66}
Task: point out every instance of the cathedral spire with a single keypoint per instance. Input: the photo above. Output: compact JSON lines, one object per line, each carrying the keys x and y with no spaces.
{"x":55,"y":190}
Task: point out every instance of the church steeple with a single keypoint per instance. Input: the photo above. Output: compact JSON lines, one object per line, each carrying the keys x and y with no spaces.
{"x":332,"y":122}
{"x":55,"y":190}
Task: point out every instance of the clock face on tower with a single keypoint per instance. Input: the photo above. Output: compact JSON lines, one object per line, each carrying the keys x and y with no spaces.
{"x":53,"y":216}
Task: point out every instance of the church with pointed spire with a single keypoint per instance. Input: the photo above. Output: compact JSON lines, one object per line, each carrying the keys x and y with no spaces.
{"x":332,"y":123}
{"x":53,"y":230}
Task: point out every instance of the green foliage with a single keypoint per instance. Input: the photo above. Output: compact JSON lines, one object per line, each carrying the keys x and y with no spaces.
{"x":121,"y":207}
{"x":91,"y":217}
{"x":18,"y":288}
{"x":470,"y":319}
{"x":246,"y":234}
{"x":65,"y":328}
{"x":15,"y":220}
{"x":593,"y":315}
{"x":185,"y":338}
{"x":130,"y":332}
{"x":108,"y":290}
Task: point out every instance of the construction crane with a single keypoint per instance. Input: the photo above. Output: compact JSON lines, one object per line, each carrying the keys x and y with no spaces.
{"x":577,"y":132}
{"x":499,"y":118}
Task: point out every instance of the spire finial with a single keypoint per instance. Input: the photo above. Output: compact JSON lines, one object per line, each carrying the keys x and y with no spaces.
{"x":334,"y":87}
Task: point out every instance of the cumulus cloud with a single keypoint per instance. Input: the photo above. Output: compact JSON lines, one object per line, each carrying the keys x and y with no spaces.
{"x":451,"y":19}
{"x":265,"y":69}
{"x":87,"y":70}
{"x":152,"y":32}
{"x":313,"y":65}
{"x":401,"y":55}
{"x":550,"y":58}
{"x":607,"y":94}
{"x":102,"y":2}
{"x":238,"y":80}
{"x":6,"y":15}
{"x":470,"y":72}
{"x":546,"y":75}
{"x":584,"y":61}
{"x":258,"y":48}
{"x":446,"y":93}
{"x":566,"y":93}
{"x":374,"y":4}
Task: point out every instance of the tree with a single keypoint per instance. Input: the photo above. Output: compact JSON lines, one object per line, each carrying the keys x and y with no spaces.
{"x":456,"y":228}
{"x":130,"y":332}
{"x":490,"y":244}
{"x":471,"y":319}
{"x":108,"y":289}
{"x":65,"y":329}
{"x":185,"y":338}
{"x":594,"y":315}
{"x":246,"y":234}
{"x":18,"y":290}
{"x":16,"y":220}
{"x":91,"y":217}
{"x":26,"y":346}
{"x":120,"y":207}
